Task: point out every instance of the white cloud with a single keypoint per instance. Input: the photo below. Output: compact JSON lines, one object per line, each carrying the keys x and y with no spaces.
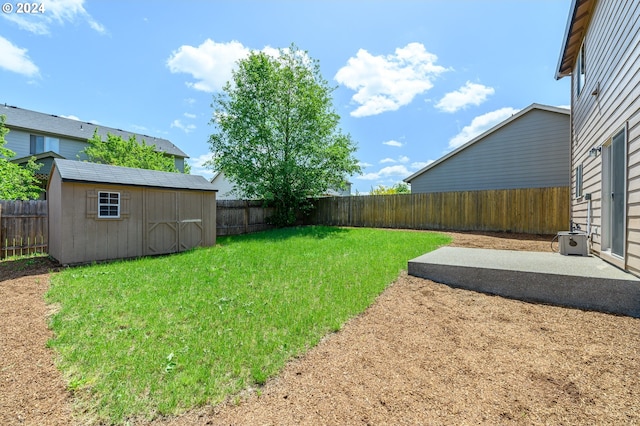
{"x":417,"y":165}
{"x":15,"y":59}
{"x":210,"y":64}
{"x":401,"y":159}
{"x":392,"y":143}
{"x":55,"y":12}
{"x":386,"y":83}
{"x":469,"y":94}
{"x":187,"y":128}
{"x":481,"y":124}
{"x":386,"y":172}
{"x":364,"y":165}
{"x":198,"y":167}
{"x":189,"y":115}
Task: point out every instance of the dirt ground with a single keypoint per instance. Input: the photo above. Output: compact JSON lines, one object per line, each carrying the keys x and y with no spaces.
{"x":423,"y":353}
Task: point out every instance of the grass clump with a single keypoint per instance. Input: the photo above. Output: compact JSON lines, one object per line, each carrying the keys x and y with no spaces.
{"x":157,"y":336}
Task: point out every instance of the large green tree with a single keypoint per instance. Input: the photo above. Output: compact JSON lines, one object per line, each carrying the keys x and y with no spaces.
{"x":16,"y":182}
{"x":277,"y":133}
{"x":127,"y":153}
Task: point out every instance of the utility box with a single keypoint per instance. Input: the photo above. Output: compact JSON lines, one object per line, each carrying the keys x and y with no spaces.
{"x":573,"y":243}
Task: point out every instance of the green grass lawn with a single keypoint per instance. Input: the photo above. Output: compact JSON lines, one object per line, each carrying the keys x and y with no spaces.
{"x":160,"y":335}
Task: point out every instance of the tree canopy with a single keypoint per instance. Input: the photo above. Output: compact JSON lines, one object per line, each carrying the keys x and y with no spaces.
{"x":127,"y":153}
{"x":16,"y":182}
{"x":398,"y":188}
{"x":277,"y":133}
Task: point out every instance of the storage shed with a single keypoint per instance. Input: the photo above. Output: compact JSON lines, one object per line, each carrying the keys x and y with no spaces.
{"x":99,"y":212}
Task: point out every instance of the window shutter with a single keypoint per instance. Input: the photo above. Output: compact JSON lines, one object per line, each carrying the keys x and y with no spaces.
{"x":92,"y":204}
{"x":125,"y":198}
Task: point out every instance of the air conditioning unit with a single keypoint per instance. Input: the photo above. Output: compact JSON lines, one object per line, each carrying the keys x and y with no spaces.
{"x":573,"y":243}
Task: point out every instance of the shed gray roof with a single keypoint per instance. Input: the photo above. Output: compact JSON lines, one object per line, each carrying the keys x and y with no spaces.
{"x":81,"y":171}
{"x":75,"y":129}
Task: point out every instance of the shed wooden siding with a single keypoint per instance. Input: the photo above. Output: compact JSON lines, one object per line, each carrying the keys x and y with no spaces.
{"x":148,"y":225}
{"x":530,"y":152}
{"x":612,"y":51}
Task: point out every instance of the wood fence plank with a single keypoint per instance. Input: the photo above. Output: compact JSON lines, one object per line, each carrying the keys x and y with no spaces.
{"x":529,"y":210}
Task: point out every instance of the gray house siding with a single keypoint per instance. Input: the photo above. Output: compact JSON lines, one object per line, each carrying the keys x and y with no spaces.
{"x":72,"y":135}
{"x":532,"y":151}
{"x":19,"y":142}
{"x":608,"y":103}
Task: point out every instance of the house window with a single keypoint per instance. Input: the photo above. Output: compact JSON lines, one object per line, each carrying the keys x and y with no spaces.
{"x":109,"y":205}
{"x":40,"y":144}
{"x":579,"y":181}
{"x":580,"y":68}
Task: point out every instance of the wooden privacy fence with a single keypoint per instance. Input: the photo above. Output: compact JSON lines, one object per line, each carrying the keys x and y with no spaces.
{"x":23,"y":227}
{"x":241,"y":217}
{"x":531,"y":210}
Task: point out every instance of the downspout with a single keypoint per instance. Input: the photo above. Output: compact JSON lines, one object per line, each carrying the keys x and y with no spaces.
{"x":571,"y":135}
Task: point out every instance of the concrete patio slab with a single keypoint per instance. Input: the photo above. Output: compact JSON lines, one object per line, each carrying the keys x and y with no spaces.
{"x":585,"y":282}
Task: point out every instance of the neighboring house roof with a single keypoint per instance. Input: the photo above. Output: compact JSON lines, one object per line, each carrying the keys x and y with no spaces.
{"x":579,"y":17}
{"x":66,"y":127}
{"x":82,"y":171}
{"x":37,"y":157}
{"x":485,"y":134}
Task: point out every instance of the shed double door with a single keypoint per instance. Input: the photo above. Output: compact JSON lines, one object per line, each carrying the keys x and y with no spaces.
{"x":173,"y":221}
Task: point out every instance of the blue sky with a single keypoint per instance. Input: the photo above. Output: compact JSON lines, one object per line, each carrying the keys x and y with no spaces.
{"x":414,"y":79}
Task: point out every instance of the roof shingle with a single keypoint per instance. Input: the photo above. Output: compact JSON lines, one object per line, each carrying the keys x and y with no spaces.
{"x":81,"y":171}
{"x":75,"y":129}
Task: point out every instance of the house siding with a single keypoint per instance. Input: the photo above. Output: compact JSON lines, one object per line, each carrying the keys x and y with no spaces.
{"x":530,"y":152}
{"x":612,"y":51}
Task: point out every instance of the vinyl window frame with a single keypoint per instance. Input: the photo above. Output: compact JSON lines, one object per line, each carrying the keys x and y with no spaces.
{"x":581,"y":74}
{"x":109,"y":204}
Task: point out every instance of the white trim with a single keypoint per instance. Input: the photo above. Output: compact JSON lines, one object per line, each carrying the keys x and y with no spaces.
{"x":109,"y":204}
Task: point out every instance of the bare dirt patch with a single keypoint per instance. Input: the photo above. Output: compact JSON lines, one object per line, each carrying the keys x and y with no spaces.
{"x":424,"y":353}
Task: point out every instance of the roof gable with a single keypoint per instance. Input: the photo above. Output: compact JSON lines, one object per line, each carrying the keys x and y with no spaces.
{"x":482,"y":136}
{"x":82,"y":171}
{"x":75,"y":129}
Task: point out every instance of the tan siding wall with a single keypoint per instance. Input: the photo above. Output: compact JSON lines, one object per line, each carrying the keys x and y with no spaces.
{"x":612,"y":45}
{"x":54,"y":205}
{"x":78,"y":236}
{"x":87,"y":238}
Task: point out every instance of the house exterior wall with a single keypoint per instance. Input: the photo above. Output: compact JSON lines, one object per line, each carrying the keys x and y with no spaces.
{"x":19,"y":141}
{"x":224,"y":188}
{"x":149,"y":222}
{"x":609,"y":102}
{"x":530,"y":152}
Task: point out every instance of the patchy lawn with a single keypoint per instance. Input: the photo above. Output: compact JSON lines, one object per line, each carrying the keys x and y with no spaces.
{"x":157,"y":336}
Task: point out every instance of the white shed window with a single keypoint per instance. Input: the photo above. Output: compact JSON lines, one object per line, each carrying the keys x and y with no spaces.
{"x":109,"y":205}
{"x":580,"y":70}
